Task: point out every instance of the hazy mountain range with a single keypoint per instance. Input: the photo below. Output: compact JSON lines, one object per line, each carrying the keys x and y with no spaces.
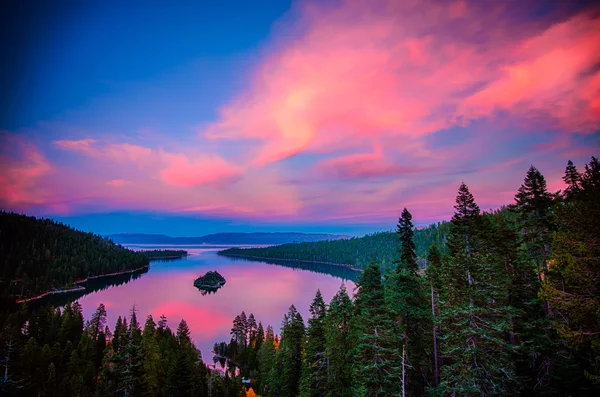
{"x":224,"y":238}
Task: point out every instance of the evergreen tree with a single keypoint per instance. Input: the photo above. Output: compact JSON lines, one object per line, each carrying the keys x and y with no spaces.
{"x":534,"y":206}
{"x":339,"y":344}
{"x":290,"y":352}
{"x":376,"y":355}
{"x":97,"y":322}
{"x":573,"y":180}
{"x":408,"y":256}
{"x":409,"y":310}
{"x":129,"y":361}
{"x":151,"y":352}
{"x":266,"y":361}
{"x":187,"y":375}
{"x":314,"y":377}
{"x":474,"y":309}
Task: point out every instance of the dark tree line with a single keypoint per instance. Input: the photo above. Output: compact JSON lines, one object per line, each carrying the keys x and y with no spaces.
{"x":510,"y":306}
{"x":53,"y":352}
{"x":38,"y":255}
{"x":358,"y":252}
{"x":164,"y":254}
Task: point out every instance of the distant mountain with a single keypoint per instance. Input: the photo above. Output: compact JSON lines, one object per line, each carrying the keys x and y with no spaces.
{"x":225,"y":238}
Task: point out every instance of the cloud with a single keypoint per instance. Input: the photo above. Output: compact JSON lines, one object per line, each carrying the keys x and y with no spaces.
{"x":181,"y":171}
{"x":555,"y":72}
{"x":172,"y":168}
{"x":118,"y":182}
{"x":363,"y":166}
{"x":23,"y":169}
{"x":399,"y":71}
{"x":354,"y":109}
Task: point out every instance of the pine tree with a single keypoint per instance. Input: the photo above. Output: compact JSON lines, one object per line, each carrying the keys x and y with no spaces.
{"x":339,"y":344}
{"x":474,"y":308}
{"x":314,"y":376}
{"x":290,"y":352}
{"x":411,"y":319}
{"x":534,"y":206}
{"x":266,"y":362}
{"x":151,"y":353}
{"x":97,"y":322}
{"x":129,"y":361}
{"x":408,"y":256}
{"x":376,"y":355}
{"x":573,"y":180}
{"x":187,"y":375}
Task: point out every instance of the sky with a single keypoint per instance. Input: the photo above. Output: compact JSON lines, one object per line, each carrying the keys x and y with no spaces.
{"x":313,"y":116}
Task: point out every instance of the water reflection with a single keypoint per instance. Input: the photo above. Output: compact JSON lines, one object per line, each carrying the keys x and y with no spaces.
{"x":267,"y":290}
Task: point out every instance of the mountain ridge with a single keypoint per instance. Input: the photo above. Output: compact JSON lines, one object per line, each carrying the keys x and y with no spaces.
{"x":225,"y":238}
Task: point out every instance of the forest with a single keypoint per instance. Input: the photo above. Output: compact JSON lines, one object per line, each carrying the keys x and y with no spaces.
{"x":164,"y":254}
{"x":510,"y":307}
{"x":507,"y":305}
{"x":57,"y":353}
{"x":39,"y":255}
{"x":358,"y":252}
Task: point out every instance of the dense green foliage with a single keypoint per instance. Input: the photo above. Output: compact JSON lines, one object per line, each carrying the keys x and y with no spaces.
{"x":164,"y":254}
{"x":211,"y":279}
{"x":57,"y":354}
{"x":357,"y":252}
{"x":38,"y":255}
{"x":511,"y":308}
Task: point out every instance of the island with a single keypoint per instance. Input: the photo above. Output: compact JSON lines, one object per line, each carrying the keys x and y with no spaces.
{"x":210,"y":282}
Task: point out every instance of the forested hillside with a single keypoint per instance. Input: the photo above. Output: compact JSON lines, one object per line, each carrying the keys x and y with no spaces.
{"x":511,"y":308}
{"x":358,"y":252}
{"x":38,"y":255}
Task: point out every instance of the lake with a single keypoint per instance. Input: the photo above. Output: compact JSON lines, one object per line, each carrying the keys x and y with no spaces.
{"x":265,"y":289}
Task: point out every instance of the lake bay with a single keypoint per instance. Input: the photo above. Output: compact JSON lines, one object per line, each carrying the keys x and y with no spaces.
{"x":263,"y":288}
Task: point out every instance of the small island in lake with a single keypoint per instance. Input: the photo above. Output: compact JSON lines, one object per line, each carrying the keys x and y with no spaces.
{"x":210,"y":282}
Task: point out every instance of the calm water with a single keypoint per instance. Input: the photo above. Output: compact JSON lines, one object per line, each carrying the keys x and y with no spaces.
{"x":265,"y":289}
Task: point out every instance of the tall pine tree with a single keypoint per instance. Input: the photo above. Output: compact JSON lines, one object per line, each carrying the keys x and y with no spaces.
{"x":534,"y":206}
{"x":339,"y":344}
{"x":377,"y":358}
{"x":409,"y":310}
{"x":475,"y":310}
{"x":316,"y":365}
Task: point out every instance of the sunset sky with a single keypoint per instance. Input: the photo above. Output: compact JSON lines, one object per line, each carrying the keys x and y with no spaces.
{"x":324,"y":116}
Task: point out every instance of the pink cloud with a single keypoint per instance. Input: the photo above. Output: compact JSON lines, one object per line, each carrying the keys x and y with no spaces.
{"x":172,"y":168}
{"x":118,"y":152}
{"x":81,"y":145}
{"x":118,"y":182}
{"x":399,"y":71}
{"x":181,"y":171}
{"x":555,"y":72}
{"x":23,"y":167}
{"x":363,"y":166}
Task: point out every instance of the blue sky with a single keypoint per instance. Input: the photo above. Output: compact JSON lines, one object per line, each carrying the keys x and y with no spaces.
{"x":325,"y":116}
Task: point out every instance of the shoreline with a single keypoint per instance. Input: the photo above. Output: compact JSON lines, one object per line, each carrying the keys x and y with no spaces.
{"x":346,"y":266}
{"x":157,"y":258}
{"x":79,"y":287}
